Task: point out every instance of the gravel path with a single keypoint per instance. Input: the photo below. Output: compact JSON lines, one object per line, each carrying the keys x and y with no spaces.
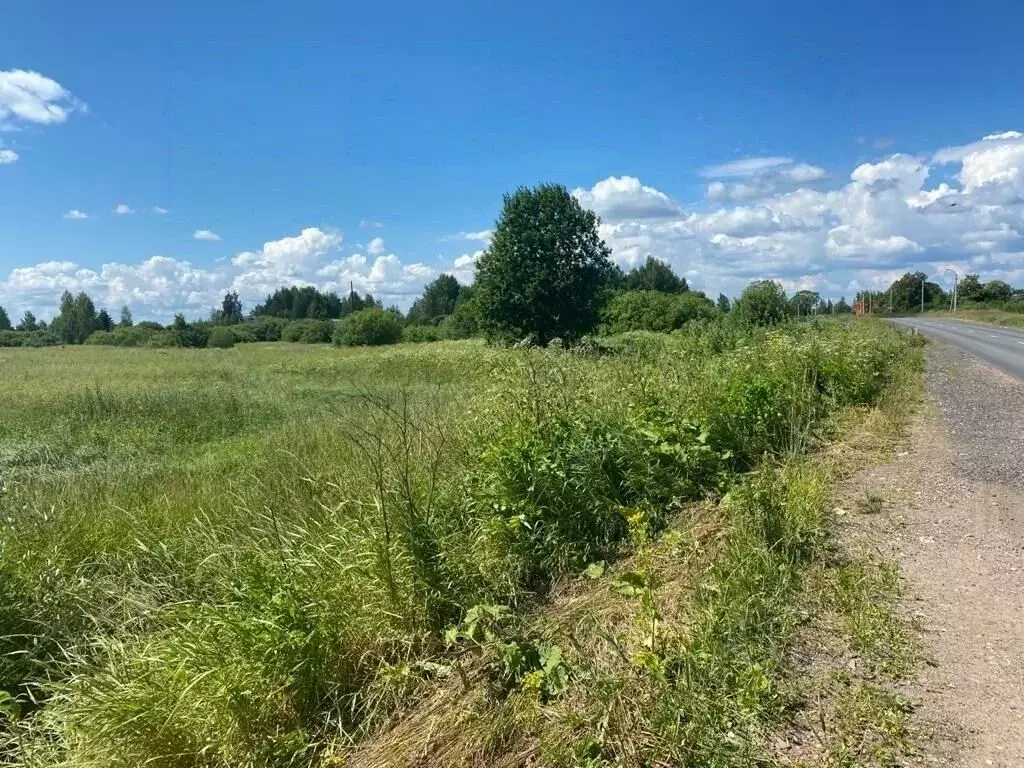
{"x":984,"y":411}
{"x":959,"y":490}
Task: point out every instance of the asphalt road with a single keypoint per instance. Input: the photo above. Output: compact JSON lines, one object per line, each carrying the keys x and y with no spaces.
{"x":1001,"y":347}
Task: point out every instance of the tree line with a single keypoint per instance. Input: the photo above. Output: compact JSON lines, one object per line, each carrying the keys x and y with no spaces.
{"x":547,"y":275}
{"x":913,"y":291}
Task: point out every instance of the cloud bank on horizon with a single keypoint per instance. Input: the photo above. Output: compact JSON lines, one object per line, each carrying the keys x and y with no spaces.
{"x":960,"y":207}
{"x":762,"y":218}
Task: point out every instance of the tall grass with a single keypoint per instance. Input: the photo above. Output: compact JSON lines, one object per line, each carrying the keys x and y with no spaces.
{"x":250,"y":557}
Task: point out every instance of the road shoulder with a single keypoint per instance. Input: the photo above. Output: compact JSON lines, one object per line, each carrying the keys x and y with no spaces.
{"x":954,"y":503}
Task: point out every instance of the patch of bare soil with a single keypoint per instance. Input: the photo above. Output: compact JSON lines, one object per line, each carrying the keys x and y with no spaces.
{"x":956,"y":499}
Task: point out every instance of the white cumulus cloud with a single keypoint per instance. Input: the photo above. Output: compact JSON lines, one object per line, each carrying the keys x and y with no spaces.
{"x":482,"y":236}
{"x":624,"y":197}
{"x":8,"y":156}
{"x":34,"y":98}
{"x":376,"y":246}
{"x":122,"y":209}
{"x":159,"y":210}
{"x":750,"y":166}
{"x":759,"y":177}
{"x":771,"y":218}
{"x":75,"y":215}
{"x":161,"y":285}
{"x":205,"y":234}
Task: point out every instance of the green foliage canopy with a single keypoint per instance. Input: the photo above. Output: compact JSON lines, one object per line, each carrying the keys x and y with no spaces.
{"x":368,"y":327}
{"x":654,"y":275}
{"x":762,"y":303}
{"x":546,"y":271}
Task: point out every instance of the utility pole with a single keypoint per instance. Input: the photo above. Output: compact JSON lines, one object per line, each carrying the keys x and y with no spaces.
{"x":956,"y":288}
{"x":890,"y":299}
{"x":922,"y":295}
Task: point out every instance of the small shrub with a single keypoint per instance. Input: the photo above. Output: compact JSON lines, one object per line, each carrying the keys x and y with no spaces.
{"x":164,"y":339}
{"x":101,"y":339}
{"x":308,"y":331}
{"x":264,"y":328}
{"x":368,"y":328}
{"x":28,"y":339}
{"x":242,"y":333}
{"x":465,"y":321}
{"x":221,"y":337}
{"x":133,"y":336}
{"x":420,"y":333}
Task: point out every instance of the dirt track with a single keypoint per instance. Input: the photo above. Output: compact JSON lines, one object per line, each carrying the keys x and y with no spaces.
{"x":957,"y":496}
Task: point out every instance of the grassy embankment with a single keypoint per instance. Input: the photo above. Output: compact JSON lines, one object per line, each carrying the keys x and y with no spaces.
{"x":282,"y":556}
{"x":991,"y":316}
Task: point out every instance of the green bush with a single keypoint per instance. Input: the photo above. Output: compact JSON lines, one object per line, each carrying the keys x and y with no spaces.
{"x":164,"y":339}
{"x":28,"y":339}
{"x":11,"y":338}
{"x":221,"y":337}
{"x":369,"y":328}
{"x":101,"y":338}
{"x":242,"y":333}
{"x":420,"y":333}
{"x":465,"y":321}
{"x":656,"y":311}
{"x":128,"y":336}
{"x":265,"y":328}
{"x":308,"y":331}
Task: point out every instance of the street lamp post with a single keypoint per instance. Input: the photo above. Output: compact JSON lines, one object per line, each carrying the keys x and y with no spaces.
{"x":956,"y":286}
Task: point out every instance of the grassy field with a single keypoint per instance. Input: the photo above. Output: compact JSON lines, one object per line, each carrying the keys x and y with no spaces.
{"x":993,"y":316}
{"x":272,"y":555}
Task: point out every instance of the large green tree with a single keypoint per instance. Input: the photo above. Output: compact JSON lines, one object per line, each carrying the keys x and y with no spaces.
{"x":104,"y":322}
{"x":437,"y":302}
{"x":969,"y":287}
{"x":546,"y":271}
{"x":654,"y":275}
{"x":906,"y":293}
{"x":996,"y":290}
{"x":804,"y":302}
{"x":28,"y":322}
{"x":762,"y":303}
{"x":5,"y":320}
{"x":230,"y":312}
{"x":76,"y":319}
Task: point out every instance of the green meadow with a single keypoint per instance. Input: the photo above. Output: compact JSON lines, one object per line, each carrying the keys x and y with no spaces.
{"x":271,"y":555}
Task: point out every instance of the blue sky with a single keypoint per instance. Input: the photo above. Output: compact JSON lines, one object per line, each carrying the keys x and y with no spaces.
{"x":735,"y":140}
